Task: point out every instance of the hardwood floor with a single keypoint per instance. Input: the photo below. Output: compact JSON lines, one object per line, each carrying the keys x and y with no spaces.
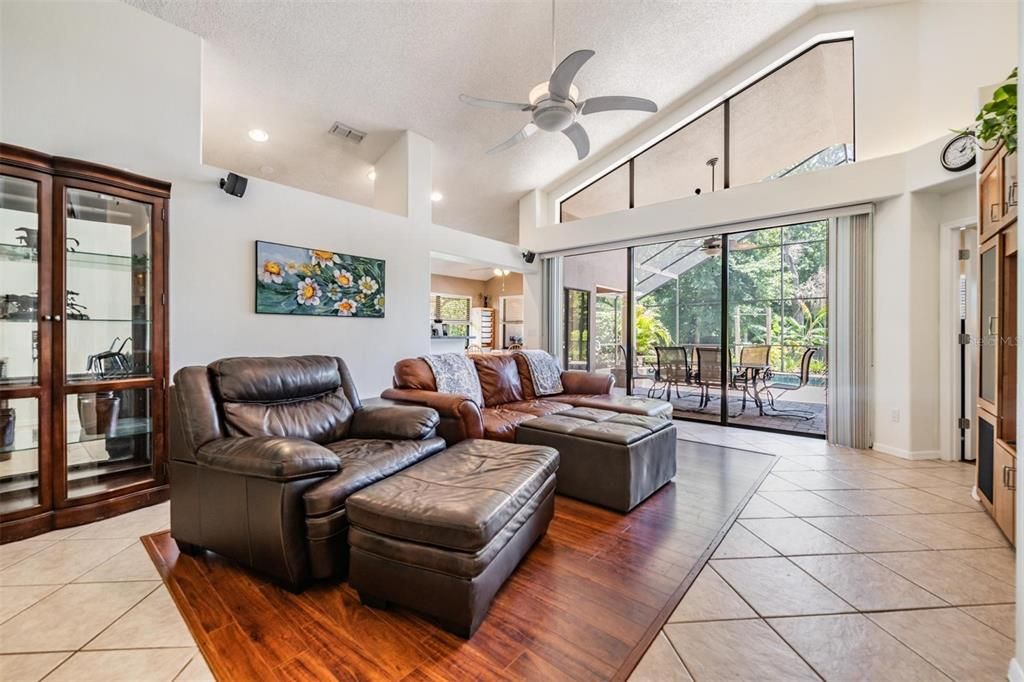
{"x":584,"y":604}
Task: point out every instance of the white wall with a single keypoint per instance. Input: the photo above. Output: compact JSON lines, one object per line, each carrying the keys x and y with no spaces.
{"x":105,"y":82}
{"x":102,"y":82}
{"x":213,"y":265}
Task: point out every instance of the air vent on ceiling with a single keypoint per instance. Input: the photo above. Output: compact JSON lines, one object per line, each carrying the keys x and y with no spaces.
{"x":347,"y":133}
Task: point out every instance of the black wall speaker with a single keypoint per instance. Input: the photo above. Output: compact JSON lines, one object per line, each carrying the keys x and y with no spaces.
{"x":529,"y":256}
{"x":234,"y":185}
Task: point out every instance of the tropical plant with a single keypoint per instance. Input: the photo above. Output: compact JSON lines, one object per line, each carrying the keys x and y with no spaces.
{"x":997,"y":120}
{"x":650,"y":331}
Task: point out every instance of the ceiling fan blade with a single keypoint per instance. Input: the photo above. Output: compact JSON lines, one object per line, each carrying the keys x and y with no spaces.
{"x":494,"y":104}
{"x":596,"y":105}
{"x":564,"y":73}
{"x":528,"y":129}
{"x":579,"y":138}
{"x":737,"y":245}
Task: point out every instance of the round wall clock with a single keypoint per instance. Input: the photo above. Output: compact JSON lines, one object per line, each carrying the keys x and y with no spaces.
{"x":959,"y":153}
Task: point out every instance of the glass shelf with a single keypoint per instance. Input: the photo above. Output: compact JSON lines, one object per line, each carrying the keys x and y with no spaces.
{"x":32,"y":320}
{"x":17,"y":252}
{"x":22,"y":252}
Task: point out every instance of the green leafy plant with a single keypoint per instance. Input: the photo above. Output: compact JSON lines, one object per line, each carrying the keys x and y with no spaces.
{"x":997,"y":120}
{"x":650,"y":332}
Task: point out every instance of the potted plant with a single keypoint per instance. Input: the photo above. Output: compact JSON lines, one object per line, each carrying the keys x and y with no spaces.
{"x":996,"y":122}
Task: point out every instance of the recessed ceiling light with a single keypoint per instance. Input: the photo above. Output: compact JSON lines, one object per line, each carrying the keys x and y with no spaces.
{"x":259,"y":135}
{"x":436,"y":196}
{"x":372,"y":174}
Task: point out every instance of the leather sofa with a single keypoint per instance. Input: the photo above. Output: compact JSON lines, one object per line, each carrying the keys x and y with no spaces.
{"x":509,"y":397}
{"x":265,"y":452}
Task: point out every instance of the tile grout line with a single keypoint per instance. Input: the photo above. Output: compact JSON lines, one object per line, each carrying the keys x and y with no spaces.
{"x":871,"y":555}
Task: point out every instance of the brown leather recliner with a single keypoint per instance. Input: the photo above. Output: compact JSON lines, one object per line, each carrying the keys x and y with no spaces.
{"x":509,"y":397}
{"x":265,"y":451}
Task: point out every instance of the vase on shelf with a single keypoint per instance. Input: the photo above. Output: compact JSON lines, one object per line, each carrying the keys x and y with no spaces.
{"x":98,"y":412}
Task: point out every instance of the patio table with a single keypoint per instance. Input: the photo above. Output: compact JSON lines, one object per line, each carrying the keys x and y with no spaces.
{"x":750,"y":374}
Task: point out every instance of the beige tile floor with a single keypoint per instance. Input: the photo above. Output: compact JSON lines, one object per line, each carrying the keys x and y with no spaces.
{"x":845,"y":565}
{"x":86,"y":603}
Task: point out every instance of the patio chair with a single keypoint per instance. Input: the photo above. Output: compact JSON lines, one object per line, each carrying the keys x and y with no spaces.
{"x":776,"y":388}
{"x":673,"y":368}
{"x":709,"y":372}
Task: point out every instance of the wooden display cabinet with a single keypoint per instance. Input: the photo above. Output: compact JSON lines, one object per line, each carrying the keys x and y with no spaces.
{"x":996,"y":399}
{"x":83,"y":342}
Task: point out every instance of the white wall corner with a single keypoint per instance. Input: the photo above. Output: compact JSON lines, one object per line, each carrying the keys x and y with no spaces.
{"x":404,"y":178}
{"x":1015,"y":673}
{"x":532,"y":209}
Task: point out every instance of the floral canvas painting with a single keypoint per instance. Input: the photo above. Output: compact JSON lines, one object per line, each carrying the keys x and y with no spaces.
{"x":291,"y":280}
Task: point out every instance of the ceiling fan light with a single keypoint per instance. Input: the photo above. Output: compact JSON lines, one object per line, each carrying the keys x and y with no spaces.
{"x":540,"y":91}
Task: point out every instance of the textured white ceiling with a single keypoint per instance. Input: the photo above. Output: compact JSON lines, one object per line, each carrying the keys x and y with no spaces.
{"x":294,"y":68}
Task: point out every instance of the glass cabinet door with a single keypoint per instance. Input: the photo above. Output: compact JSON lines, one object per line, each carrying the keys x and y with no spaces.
{"x":988,"y":298}
{"x":108,"y":328}
{"x":24,"y":337}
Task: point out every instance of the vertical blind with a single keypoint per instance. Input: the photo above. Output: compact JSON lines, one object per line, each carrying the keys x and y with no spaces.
{"x":850,"y":355}
{"x":551,"y":321}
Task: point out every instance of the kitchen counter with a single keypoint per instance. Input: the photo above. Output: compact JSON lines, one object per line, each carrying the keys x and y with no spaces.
{"x":448,"y":344}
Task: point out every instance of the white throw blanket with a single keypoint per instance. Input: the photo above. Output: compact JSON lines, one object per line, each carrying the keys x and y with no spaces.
{"x":456,"y":373}
{"x":547,"y":375}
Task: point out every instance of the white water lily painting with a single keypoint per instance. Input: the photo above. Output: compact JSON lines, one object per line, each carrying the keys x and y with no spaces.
{"x":291,"y":280}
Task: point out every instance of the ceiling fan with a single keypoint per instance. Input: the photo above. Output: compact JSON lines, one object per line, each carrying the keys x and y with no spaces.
{"x":712,"y":246}
{"x":555,"y":105}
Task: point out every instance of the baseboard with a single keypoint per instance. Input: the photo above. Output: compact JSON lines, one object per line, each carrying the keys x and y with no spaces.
{"x":906,"y":454}
{"x":1015,"y":673}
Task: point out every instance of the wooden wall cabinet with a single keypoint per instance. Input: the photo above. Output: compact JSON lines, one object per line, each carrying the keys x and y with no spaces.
{"x":996,"y":400}
{"x":83,"y":342}
{"x":1004,"y":493}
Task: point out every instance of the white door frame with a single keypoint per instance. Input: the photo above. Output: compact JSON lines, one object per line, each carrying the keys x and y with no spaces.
{"x":949,"y":315}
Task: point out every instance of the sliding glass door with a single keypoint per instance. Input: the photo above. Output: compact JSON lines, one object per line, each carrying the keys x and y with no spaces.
{"x":577,"y":329}
{"x":733,"y":329}
{"x":730,"y":328}
{"x":677,"y":310}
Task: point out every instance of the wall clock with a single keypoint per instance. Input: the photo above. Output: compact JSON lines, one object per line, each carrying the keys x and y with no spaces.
{"x":959,"y":153}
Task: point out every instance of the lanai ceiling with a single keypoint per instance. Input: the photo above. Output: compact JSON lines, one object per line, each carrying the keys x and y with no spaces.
{"x":293,"y":68}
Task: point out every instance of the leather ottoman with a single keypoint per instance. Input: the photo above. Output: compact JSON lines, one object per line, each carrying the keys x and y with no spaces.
{"x":614,"y":460}
{"x":442,"y":536}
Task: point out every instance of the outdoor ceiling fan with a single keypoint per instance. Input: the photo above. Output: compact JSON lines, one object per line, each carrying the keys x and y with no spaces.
{"x":712,"y":246}
{"x":555,"y":104}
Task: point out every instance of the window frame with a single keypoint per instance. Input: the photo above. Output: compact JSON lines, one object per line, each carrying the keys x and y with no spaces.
{"x":724,"y":102}
{"x":435,"y":309}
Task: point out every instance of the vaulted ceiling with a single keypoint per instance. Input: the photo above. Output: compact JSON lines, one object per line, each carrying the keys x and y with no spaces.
{"x":293,"y":68}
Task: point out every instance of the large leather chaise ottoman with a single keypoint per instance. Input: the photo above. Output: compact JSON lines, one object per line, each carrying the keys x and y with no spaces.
{"x":607,"y":458}
{"x":442,"y":536}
